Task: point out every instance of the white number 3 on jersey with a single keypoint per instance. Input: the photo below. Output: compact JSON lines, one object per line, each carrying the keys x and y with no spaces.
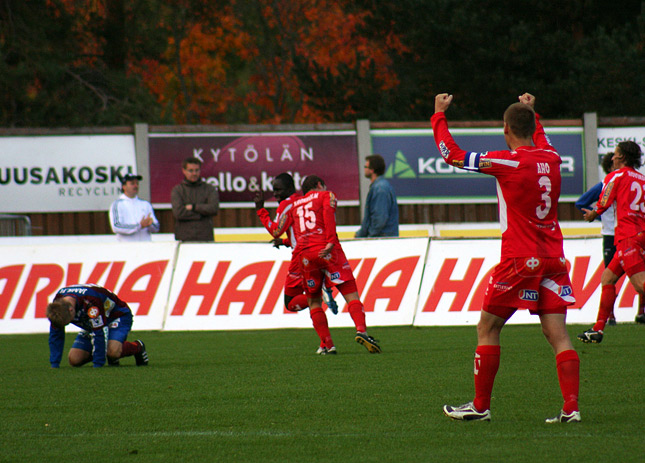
{"x":543,"y":210}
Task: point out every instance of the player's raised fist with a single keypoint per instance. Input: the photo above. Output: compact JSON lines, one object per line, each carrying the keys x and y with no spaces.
{"x":442,"y":102}
{"x":528,"y":99}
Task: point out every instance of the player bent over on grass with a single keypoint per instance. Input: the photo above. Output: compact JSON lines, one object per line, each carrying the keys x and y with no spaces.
{"x":532,"y":273}
{"x":624,"y":188}
{"x":295,"y":299}
{"x":105,"y":321}
{"x":322,"y":260}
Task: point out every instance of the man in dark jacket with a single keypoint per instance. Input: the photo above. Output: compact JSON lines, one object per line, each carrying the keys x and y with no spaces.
{"x":194,"y":204}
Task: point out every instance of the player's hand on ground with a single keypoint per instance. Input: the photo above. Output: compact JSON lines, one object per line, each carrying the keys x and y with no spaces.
{"x":527,"y":99}
{"x":442,"y":102}
{"x":258,"y":199}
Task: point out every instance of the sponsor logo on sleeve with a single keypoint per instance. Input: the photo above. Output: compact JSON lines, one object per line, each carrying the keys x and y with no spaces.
{"x":443,"y":149}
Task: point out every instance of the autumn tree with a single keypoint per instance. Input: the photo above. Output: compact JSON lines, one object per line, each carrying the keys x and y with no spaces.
{"x":272,"y":62}
{"x":65,"y":63}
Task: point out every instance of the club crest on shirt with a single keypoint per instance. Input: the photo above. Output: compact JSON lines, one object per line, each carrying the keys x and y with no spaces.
{"x":93,"y":312}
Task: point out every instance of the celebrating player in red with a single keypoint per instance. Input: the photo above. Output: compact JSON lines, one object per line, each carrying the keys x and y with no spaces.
{"x":284,"y":190}
{"x":532,"y":273}
{"x":322,"y":260}
{"x":625,"y":189}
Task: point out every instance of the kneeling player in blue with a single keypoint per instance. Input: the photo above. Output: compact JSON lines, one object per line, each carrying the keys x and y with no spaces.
{"x":105,"y":321}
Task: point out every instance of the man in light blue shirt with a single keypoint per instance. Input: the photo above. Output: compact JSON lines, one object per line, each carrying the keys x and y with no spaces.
{"x":381,"y":210}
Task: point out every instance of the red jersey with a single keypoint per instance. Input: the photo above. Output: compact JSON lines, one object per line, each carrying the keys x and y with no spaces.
{"x":272,"y":225}
{"x":312,"y":219}
{"x":528,"y":189}
{"x":625,"y":188}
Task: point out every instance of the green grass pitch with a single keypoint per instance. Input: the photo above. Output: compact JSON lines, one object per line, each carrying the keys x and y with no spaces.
{"x":264,"y":396}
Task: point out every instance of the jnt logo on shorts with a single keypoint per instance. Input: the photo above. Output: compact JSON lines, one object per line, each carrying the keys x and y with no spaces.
{"x":529,"y":295}
{"x":565,"y":291}
{"x":311,"y":283}
{"x":334,"y":276}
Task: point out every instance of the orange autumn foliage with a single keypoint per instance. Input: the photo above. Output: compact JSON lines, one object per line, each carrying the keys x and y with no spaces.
{"x":239,"y":64}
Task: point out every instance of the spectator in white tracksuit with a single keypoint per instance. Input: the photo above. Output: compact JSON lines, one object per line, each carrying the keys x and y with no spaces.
{"x":131,"y":218}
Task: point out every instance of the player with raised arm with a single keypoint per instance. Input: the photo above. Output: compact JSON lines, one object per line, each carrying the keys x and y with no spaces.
{"x":532,"y":272}
{"x":105,"y":321}
{"x":624,"y":188}
{"x":313,"y":221}
{"x":284,"y":191}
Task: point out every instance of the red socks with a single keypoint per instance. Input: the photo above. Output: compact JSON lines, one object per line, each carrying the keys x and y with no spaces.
{"x":568,"y":364}
{"x":130,"y":348}
{"x":319,"y":319}
{"x":357,"y":313}
{"x":486,"y":366}
{"x":298,"y":303}
{"x":607,"y":299}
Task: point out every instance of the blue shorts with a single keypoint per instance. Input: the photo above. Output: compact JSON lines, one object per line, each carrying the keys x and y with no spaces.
{"x":118,"y":330}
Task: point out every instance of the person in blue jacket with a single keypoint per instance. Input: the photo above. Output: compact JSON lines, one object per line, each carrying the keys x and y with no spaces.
{"x":105,"y":322}
{"x":589,"y":199}
{"x":381,"y":210}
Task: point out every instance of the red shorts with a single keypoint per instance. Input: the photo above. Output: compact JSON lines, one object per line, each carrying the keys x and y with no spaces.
{"x":293,"y":281}
{"x":615,"y":266}
{"x":334,"y":269}
{"x":631,"y":252}
{"x":540,"y":284}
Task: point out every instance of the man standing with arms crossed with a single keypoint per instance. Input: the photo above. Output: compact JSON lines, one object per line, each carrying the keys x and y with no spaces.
{"x":194,"y":204}
{"x":532,"y":273}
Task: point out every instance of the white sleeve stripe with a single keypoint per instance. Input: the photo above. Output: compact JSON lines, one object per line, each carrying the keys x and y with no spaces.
{"x":506,"y":162}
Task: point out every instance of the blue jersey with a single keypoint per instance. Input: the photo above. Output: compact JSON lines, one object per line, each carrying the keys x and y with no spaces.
{"x":96,"y":308}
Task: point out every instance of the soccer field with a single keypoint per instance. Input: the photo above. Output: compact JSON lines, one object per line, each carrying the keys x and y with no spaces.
{"x":265,"y":396}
